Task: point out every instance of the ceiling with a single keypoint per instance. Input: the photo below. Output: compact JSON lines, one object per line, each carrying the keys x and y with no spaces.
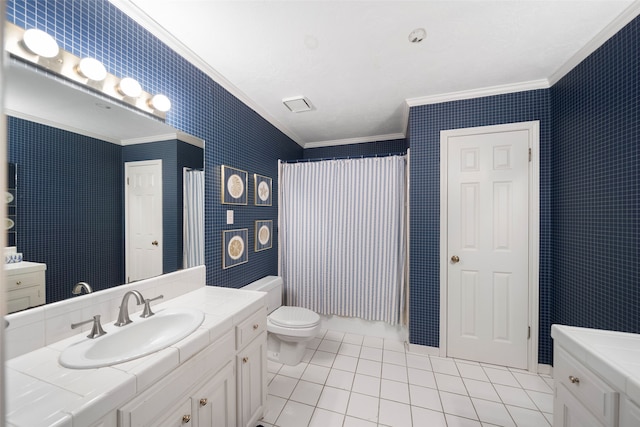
{"x":353,"y":59}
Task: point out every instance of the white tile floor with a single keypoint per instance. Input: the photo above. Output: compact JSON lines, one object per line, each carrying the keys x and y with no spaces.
{"x":353,"y":380}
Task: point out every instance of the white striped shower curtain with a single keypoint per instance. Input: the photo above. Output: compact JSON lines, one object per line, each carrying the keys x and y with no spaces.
{"x":343,"y":237}
{"x":193,"y":218}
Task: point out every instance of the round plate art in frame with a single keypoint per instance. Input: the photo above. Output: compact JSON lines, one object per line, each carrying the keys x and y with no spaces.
{"x":235,"y":186}
{"x":263,"y":235}
{"x":235,"y":248}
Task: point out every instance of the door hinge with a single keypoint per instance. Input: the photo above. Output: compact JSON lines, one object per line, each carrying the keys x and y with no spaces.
{"x":529,"y":159}
{"x":529,"y":332}
{"x":530,"y":154}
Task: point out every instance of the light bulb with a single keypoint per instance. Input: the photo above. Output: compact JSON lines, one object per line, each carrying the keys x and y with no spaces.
{"x":160,"y":103}
{"x":92,"y":69}
{"x":129,"y":87}
{"x":40,"y":43}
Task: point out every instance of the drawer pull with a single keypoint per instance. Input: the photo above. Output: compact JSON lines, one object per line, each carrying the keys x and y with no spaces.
{"x":574,"y":380}
{"x":256,"y":326}
{"x":186,"y":419}
{"x":203,"y":402}
{"x":245,"y":359}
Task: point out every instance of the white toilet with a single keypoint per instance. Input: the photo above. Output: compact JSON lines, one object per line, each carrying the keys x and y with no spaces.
{"x":289,"y":328}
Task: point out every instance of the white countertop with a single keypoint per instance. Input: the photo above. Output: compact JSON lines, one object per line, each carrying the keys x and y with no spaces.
{"x":40,"y":392}
{"x":24,"y":267}
{"x":615,"y":356}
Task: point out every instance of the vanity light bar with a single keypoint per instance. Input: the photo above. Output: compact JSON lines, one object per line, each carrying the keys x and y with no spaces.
{"x":87,"y":72}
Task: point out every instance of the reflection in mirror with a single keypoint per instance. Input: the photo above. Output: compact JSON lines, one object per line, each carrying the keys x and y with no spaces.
{"x":72,"y":147}
{"x":11,"y":200}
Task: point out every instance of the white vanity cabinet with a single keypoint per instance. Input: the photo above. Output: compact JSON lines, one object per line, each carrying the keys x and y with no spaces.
{"x":25,"y":285}
{"x":595,"y":378}
{"x":251,"y":362}
{"x":191,"y":393}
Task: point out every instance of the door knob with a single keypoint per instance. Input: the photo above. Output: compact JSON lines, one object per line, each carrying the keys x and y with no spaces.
{"x":154,"y":243}
{"x":455,"y":259}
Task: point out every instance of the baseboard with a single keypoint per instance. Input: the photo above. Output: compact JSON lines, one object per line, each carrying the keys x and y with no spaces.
{"x":545,"y":369}
{"x":423,"y":349}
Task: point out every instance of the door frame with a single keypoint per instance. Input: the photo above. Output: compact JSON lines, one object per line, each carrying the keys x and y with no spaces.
{"x":533,"y":127}
{"x":127,"y":251}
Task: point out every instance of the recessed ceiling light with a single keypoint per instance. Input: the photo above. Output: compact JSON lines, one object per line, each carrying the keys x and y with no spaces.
{"x":297,"y":104}
{"x":40,"y":43}
{"x":417,"y":35}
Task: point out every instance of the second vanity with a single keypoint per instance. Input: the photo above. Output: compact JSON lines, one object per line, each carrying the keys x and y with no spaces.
{"x":214,"y":376}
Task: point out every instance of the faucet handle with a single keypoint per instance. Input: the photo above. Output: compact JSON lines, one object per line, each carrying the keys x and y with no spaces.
{"x":96,"y":329}
{"x":147,"y":307}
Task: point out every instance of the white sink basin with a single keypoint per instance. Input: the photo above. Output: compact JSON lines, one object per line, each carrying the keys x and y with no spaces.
{"x":137,"y":339}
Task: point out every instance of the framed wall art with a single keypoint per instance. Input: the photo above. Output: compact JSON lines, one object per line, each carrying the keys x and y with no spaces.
{"x":263,"y":190}
{"x":234,"y":186}
{"x":234,"y":247}
{"x":264,"y":234}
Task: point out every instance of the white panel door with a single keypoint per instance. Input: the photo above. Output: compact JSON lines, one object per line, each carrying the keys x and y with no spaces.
{"x":143,"y":219}
{"x":487,"y":246}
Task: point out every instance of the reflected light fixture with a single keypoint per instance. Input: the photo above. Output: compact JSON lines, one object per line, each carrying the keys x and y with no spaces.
{"x":160,"y":103}
{"x":92,"y":69}
{"x":129,"y":87}
{"x":40,"y":43}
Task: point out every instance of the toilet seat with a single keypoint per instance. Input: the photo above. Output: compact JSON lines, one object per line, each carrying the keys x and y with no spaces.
{"x":294,"y":317}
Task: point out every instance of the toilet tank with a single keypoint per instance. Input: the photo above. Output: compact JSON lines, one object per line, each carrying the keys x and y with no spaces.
{"x":273,"y":286}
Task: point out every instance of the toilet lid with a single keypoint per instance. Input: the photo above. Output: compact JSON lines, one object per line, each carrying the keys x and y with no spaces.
{"x":294,"y":317}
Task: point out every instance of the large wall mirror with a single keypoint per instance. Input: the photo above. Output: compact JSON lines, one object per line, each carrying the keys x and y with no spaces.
{"x":71,"y":146}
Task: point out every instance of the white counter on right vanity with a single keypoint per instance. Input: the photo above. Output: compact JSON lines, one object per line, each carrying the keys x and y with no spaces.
{"x":597,"y":378}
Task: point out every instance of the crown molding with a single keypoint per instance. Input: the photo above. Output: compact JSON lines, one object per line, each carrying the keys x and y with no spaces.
{"x":479,"y":93}
{"x":181,"y":49}
{"x":358,"y":140}
{"x":629,"y":14}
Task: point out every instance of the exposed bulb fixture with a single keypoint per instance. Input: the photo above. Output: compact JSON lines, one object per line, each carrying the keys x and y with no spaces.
{"x":160,"y":102}
{"x":92,"y":69}
{"x":40,"y":43}
{"x":129,"y":87}
{"x":417,"y":35}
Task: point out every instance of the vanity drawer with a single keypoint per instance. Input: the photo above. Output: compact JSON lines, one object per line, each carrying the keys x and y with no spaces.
{"x":251,"y":328}
{"x":25,"y":280}
{"x":588,"y":388}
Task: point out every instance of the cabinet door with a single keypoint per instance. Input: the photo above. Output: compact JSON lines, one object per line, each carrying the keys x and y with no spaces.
{"x":181,"y":417}
{"x":215,"y":403}
{"x":629,"y":414}
{"x":569,"y":412}
{"x":252,"y":385}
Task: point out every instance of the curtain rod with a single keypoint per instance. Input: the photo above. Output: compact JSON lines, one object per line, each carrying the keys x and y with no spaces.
{"x":362,"y":156}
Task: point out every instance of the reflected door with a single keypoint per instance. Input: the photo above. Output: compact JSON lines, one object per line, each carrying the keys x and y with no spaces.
{"x":143,"y":218}
{"x":488,"y":289}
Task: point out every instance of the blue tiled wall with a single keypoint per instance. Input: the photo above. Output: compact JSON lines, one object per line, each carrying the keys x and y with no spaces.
{"x":234,"y":134}
{"x":392,"y":146}
{"x":69,"y":205}
{"x":425,"y":124}
{"x":595,"y":191}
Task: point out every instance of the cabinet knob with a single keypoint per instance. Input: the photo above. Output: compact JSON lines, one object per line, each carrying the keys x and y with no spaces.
{"x":256,"y":326}
{"x":455,"y":259}
{"x":19,"y":282}
{"x":574,"y":380}
{"x":186,"y":419}
{"x":203,"y":402}
{"x":245,"y":359}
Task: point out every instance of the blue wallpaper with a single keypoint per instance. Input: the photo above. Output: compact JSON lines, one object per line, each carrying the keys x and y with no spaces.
{"x":69,"y":205}
{"x":234,"y":134}
{"x":425,"y":124}
{"x":595,"y":191}
{"x":393,"y":146}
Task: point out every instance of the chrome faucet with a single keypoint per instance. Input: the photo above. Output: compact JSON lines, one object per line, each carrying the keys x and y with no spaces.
{"x":96,"y":329}
{"x":77,"y":289}
{"x":123,"y":315}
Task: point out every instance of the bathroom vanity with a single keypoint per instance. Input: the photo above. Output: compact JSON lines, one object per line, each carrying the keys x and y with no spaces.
{"x":25,"y":285}
{"x":216,"y":376}
{"x":597,"y":378}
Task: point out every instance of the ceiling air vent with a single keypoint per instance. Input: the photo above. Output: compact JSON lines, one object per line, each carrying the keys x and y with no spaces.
{"x":297,"y":104}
